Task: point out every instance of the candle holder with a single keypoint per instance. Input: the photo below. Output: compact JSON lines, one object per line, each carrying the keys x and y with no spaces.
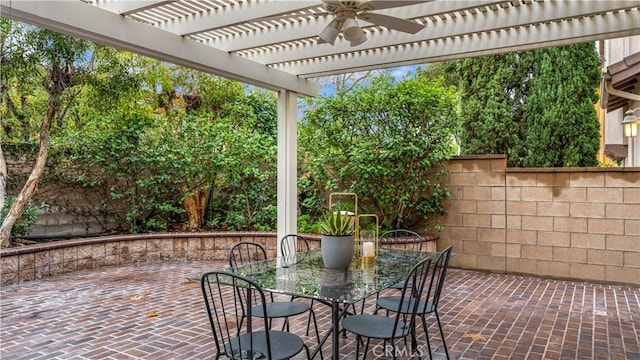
{"x":368,"y":242}
{"x":369,"y":274}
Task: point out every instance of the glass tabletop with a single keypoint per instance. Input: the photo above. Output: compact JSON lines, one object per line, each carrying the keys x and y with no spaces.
{"x":305,"y":275}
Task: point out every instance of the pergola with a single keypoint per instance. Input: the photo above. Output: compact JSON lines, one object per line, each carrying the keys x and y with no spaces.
{"x":274,"y":44}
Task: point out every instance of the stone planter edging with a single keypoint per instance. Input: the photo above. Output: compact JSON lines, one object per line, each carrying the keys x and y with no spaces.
{"x":47,"y":259}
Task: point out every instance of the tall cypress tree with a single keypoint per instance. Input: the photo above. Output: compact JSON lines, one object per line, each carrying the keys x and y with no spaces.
{"x":490,"y":91}
{"x":562,"y":125}
{"x":534,"y":106}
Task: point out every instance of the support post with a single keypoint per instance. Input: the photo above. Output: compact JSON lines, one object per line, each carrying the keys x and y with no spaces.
{"x":287,"y":164}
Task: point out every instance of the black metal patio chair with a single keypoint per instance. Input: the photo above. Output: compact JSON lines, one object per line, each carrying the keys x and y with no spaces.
{"x":301,"y":246}
{"x":429,"y":303}
{"x":401,"y":239}
{"x":287,"y":245}
{"x":398,"y":326}
{"x":226,"y":295}
{"x":247,"y":252}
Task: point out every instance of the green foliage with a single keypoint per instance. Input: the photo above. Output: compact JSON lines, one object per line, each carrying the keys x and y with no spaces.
{"x":534,"y":106}
{"x":491,"y":91}
{"x":384,"y":142}
{"x":310,"y":199}
{"x":150,"y":165}
{"x":307,"y":224}
{"x":337,"y":223}
{"x":264,"y":105}
{"x":39,"y":68}
{"x":166,"y":134}
{"x":144,"y":135}
{"x":28,"y":218}
{"x":562,"y":124}
{"x":119,"y":157}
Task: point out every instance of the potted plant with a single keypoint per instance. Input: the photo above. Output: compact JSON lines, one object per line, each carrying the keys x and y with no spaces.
{"x":336,"y":239}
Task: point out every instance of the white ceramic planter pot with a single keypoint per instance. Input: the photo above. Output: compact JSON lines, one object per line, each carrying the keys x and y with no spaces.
{"x":337,"y":251}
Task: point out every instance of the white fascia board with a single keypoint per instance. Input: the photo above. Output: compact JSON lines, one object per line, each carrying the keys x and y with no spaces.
{"x":514,"y":17}
{"x":610,"y":25}
{"x":89,"y":22}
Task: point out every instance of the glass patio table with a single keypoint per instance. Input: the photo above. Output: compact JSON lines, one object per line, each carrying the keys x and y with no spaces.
{"x":304,"y":275}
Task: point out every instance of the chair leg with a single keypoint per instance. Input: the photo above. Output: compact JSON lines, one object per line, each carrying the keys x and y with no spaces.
{"x":444,"y":343}
{"x":358,"y":340}
{"x":414,"y":339}
{"x":366,"y":349}
{"x":414,"y":342}
{"x":285,"y":324}
{"x":347,"y":313}
{"x":426,"y":334}
{"x":393,"y":347}
{"x":309,"y":321}
{"x":306,"y":348}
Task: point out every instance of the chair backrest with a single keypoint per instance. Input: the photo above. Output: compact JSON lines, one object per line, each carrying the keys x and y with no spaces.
{"x":437,"y":280}
{"x":246,"y":252}
{"x":301,"y":244}
{"x":412,"y":289}
{"x":401,"y":239}
{"x":226,"y":295}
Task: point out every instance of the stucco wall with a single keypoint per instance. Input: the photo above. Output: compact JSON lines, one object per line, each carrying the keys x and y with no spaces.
{"x":577,"y":223}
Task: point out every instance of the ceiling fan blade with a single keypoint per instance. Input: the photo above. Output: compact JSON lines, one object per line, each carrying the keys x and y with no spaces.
{"x":387,"y":4}
{"x":392,"y":22}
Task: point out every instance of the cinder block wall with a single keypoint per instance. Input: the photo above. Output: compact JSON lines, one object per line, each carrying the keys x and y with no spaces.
{"x":577,"y":223}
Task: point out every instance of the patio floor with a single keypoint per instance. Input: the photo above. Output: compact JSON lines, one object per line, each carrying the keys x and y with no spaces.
{"x":108,"y":313}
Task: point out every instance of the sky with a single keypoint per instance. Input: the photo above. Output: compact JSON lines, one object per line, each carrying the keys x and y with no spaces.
{"x":398,"y":73}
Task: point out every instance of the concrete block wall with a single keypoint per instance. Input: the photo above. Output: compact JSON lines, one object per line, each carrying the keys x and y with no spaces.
{"x":476,"y":225}
{"x":575,"y":223}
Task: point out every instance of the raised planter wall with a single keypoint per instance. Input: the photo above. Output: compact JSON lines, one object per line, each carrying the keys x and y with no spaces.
{"x":47,"y":259}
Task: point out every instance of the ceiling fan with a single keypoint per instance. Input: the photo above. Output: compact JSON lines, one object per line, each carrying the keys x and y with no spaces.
{"x":346,"y":12}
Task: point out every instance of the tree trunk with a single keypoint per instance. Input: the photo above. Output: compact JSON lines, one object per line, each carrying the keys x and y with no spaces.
{"x":195,"y":206}
{"x":31,"y":185}
{"x":3,"y":179}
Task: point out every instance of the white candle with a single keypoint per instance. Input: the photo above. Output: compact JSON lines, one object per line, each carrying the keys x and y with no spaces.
{"x":367,"y":249}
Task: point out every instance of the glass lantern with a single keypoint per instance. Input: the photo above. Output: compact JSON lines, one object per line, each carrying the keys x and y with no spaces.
{"x":368,"y":242}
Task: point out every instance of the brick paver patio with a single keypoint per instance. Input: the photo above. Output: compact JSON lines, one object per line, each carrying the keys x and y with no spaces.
{"x":150,"y":311}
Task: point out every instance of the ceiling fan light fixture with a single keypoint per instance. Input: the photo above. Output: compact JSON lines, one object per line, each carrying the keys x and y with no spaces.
{"x":353,"y":33}
{"x":330,"y":32}
{"x":351,"y":29}
{"x":359,"y":39}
